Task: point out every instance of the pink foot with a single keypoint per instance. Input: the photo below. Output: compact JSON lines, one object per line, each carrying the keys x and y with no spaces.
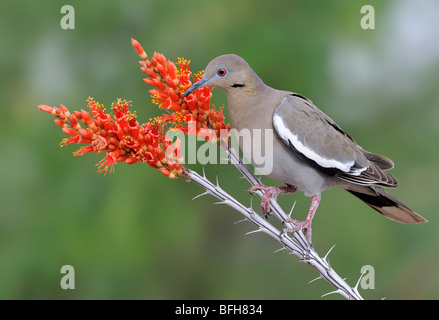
{"x":271,"y":193}
{"x":307,"y":223}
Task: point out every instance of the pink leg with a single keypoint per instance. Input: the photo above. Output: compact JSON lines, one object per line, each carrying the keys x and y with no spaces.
{"x":307,"y":223}
{"x":271,"y":193}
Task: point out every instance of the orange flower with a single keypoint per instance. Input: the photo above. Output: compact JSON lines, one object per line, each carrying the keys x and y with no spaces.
{"x":171,"y":81}
{"x":120,"y":136}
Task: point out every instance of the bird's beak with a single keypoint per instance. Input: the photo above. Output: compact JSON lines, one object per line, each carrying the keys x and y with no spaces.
{"x":195,"y":86}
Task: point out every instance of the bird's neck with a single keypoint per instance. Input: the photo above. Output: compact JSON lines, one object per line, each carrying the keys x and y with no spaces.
{"x":254,"y":100}
{"x":253,"y":84}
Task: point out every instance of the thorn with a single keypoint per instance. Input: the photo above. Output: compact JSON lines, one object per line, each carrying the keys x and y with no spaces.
{"x":254,"y":231}
{"x":204,"y":173}
{"x":329,"y":251}
{"x":292,"y":208}
{"x":200,"y":195}
{"x":217,"y":182}
{"x":319,"y":277}
{"x":279,"y":250}
{"x":332,"y":292}
{"x":358,"y":282}
{"x":242,"y":220}
{"x":220,"y":202}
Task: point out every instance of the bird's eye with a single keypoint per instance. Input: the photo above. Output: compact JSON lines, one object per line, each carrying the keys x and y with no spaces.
{"x":221,"y":72}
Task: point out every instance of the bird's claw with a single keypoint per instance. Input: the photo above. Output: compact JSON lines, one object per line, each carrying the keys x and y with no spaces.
{"x":257,"y":187}
{"x":270,"y":193}
{"x":300,"y":225}
{"x":265,"y":202}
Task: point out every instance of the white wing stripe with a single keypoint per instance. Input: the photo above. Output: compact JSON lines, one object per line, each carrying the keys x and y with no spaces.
{"x":287,"y":135}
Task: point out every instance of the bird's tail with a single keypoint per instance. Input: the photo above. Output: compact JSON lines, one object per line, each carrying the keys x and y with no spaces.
{"x":387,"y":205}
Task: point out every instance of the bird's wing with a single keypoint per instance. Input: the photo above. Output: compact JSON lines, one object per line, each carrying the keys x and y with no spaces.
{"x":316,"y":138}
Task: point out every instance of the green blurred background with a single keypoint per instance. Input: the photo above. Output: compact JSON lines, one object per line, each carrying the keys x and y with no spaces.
{"x":134,"y":234}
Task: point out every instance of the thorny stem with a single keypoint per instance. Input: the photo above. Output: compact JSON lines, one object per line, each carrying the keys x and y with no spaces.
{"x":296,"y":244}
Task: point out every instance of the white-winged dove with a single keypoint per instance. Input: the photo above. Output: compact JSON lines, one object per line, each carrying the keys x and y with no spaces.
{"x":310,"y":151}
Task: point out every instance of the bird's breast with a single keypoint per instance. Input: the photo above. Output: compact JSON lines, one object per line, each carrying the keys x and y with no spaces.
{"x":254,"y":134}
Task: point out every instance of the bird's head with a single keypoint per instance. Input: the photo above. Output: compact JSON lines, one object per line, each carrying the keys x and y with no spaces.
{"x":227,"y":72}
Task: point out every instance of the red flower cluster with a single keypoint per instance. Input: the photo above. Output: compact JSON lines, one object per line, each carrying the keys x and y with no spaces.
{"x":171,"y":83}
{"x":120,"y":136}
{"x":123,"y":139}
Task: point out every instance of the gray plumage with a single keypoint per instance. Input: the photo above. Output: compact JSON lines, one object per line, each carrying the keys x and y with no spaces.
{"x":310,"y":151}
